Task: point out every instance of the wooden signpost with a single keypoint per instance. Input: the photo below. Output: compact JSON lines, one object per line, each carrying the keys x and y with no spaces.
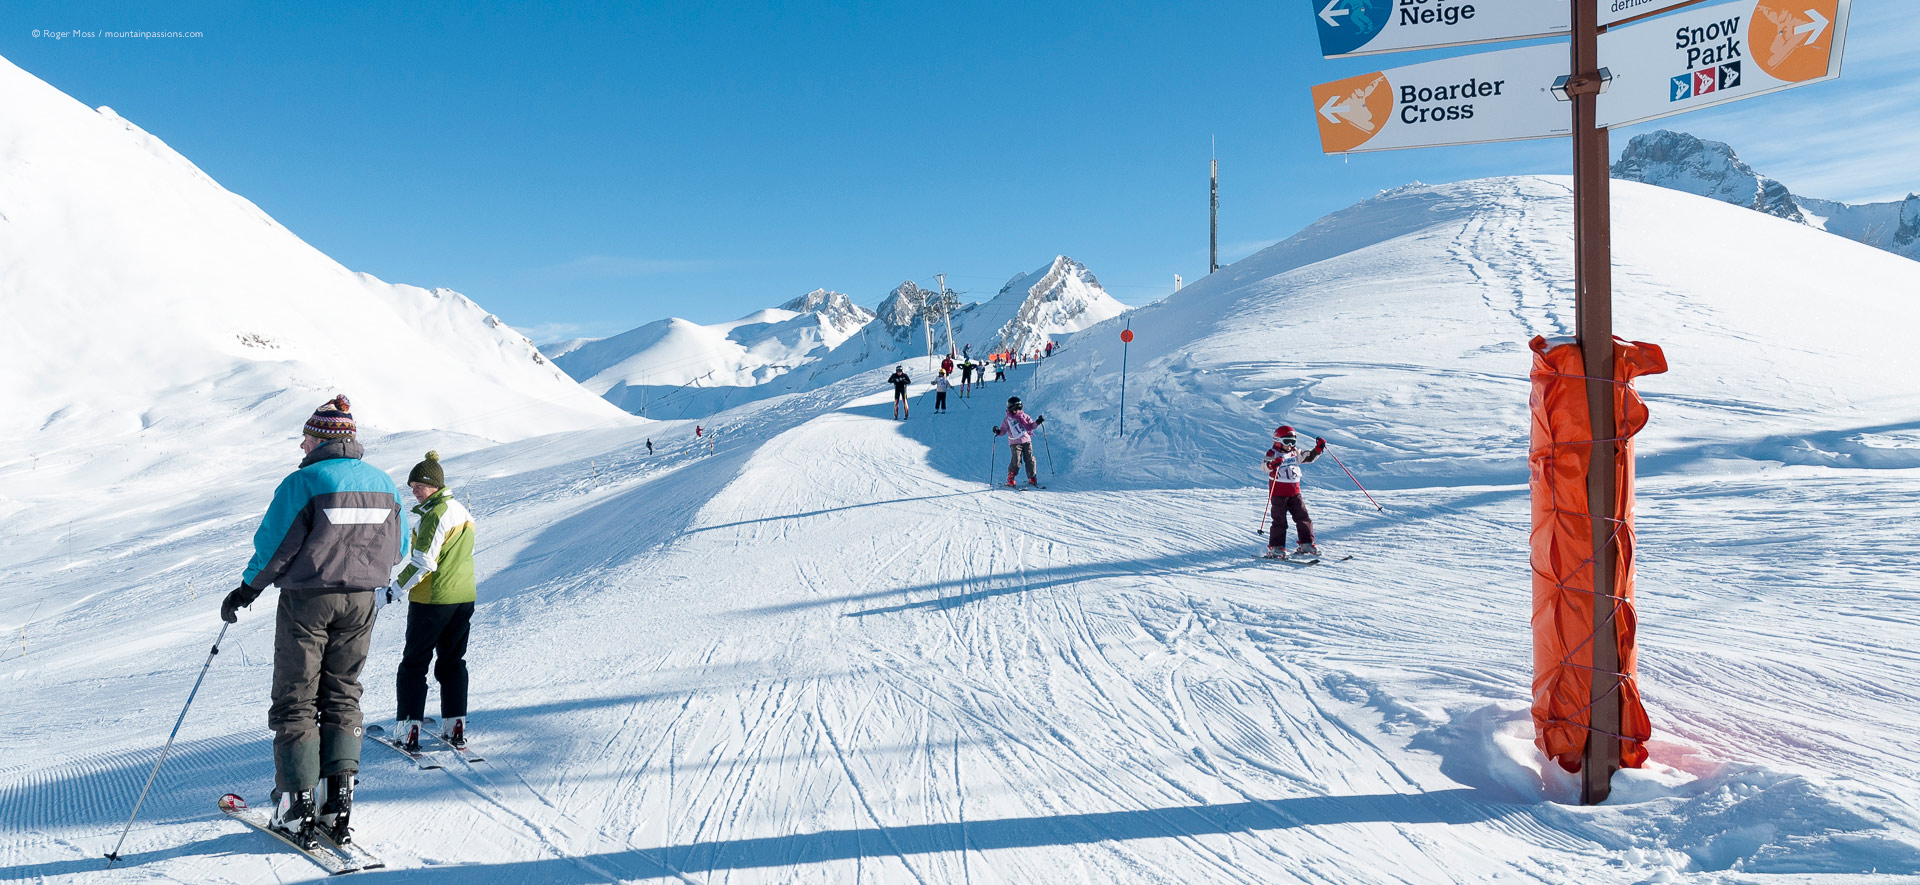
{"x":1655,"y":65}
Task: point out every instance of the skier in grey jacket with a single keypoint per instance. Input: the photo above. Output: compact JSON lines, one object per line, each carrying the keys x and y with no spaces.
{"x":334,"y":532}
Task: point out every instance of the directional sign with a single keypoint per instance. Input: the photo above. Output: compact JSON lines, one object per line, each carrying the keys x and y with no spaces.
{"x":1615,"y":11}
{"x":1492,"y":96}
{"x":1711,"y":55}
{"x":1364,"y":27}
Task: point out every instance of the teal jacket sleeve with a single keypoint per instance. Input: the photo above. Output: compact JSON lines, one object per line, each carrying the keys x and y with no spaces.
{"x":406,"y":533}
{"x":285,"y":516}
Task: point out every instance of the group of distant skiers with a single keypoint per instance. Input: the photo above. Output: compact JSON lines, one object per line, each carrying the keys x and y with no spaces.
{"x":1283,"y":460}
{"x":330,"y":540}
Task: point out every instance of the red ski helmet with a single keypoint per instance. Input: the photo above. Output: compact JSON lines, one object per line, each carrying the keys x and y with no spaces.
{"x":1284,"y":430}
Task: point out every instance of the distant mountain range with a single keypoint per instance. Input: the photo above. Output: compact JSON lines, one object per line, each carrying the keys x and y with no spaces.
{"x":1684,"y":162}
{"x":674,"y":367}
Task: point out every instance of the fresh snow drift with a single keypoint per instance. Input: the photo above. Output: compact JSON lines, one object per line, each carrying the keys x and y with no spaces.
{"x":822,"y":652}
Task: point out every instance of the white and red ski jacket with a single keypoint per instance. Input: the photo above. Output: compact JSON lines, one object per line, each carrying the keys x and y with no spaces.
{"x":1283,"y":468}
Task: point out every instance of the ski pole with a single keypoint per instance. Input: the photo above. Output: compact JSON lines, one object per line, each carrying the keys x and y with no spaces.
{"x":1049,"y":447}
{"x":1356,"y":482}
{"x":114,"y":855}
{"x":1265,"y":509}
{"x":993,"y":447}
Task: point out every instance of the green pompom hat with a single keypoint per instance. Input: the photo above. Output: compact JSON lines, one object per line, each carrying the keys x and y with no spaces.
{"x":429,"y":472}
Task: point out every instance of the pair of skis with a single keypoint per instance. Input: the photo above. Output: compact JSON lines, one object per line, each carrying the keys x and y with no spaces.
{"x":1282,"y":556}
{"x":434,"y":747}
{"x":331,"y":856}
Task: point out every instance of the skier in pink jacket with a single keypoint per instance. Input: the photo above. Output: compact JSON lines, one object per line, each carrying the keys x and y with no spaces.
{"x":1018,"y":428}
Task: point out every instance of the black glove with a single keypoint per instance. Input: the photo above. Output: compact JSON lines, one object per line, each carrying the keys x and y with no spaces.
{"x":240,"y":597}
{"x":1039,"y":420}
{"x":996,"y":430}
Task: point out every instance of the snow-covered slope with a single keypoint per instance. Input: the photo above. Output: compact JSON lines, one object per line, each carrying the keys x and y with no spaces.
{"x":147,"y":307}
{"x":818,"y":650}
{"x":1397,"y":328}
{"x":1710,"y":168}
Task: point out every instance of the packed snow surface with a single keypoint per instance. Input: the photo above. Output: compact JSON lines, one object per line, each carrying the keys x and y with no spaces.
{"x":821,"y":650}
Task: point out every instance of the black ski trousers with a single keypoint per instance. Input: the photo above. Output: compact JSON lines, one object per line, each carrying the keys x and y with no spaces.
{"x":319,"y":645}
{"x":939,"y":400}
{"x":434,"y":629}
{"x":1289,"y":504}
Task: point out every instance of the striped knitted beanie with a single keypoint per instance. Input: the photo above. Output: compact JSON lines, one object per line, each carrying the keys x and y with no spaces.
{"x":332,"y":420}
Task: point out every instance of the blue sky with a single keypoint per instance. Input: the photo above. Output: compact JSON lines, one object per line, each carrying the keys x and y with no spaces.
{"x":583,"y":168}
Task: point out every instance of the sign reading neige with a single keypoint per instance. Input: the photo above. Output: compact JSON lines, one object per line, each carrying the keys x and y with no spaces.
{"x":1711,"y":55}
{"x":1489,"y":96}
{"x":1364,"y":27}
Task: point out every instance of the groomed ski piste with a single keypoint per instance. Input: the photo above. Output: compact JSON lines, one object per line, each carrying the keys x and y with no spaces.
{"x":826,"y":652}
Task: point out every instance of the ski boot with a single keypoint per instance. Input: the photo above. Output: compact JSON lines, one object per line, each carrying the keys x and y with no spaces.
{"x":1274,"y":553}
{"x":293,"y":817}
{"x":1010,"y":483}
{"x":406,"y":735}
{"x":333,"y":816}
{"x":1033,"y":482}
{"x":456,"y":734}
{"x":1306,"y":551}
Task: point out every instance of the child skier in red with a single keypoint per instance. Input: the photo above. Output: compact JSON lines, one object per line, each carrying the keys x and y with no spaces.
{"x":1283,"y":488}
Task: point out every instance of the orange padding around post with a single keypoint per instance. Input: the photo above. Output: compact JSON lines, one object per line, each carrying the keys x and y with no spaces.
{"x":1563,"y":548}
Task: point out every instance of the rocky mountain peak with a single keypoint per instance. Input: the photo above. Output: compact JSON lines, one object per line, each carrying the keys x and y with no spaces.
{"x":1685,"y":162}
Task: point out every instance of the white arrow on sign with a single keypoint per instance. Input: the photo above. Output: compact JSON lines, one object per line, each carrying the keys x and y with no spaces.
{"x":1818,"y":26}
{"x":1332,"y":11}
{"x":1330,"y":109}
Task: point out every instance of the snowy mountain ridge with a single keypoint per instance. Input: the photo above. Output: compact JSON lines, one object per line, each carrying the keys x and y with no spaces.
{"x":1687,"y":163}
{"x":680,"y":368}
{"x":153,"y":316}
{"x":643,"y":364}
{"x":1059,"y":299}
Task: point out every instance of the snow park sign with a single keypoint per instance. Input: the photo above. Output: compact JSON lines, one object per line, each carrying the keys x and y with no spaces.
{"x":1711,"y":55}
{"x":1626,"y":61}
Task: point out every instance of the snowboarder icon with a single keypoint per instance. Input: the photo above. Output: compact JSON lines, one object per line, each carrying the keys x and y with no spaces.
{"x":1018,"y":428}
{"x":439,"y":587}
{"x":899,"y":380}
{"x":1283,"y":463}
{"x":329,"y":541}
